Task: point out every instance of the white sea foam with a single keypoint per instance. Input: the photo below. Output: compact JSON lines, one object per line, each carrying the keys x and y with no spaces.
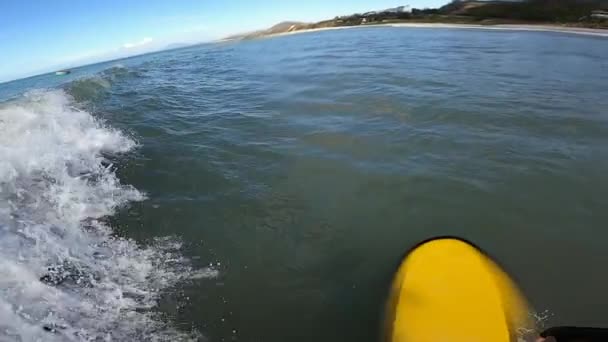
{"x":63,"y":277}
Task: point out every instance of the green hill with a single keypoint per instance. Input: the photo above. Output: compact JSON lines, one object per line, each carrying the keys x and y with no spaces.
{"x":526,"y":10}
{"x":578,"y":13}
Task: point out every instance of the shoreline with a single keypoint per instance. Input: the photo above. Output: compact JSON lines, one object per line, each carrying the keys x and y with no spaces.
{"x":502,"y":27}
{"x":517,"y":27}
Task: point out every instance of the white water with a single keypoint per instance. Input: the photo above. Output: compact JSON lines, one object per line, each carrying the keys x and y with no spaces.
{"x":63,"y":277}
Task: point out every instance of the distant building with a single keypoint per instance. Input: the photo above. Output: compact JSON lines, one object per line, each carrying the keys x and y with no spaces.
{"x":400,"y":9}
{"x":371,"y":14}
{"x":599,"y":15}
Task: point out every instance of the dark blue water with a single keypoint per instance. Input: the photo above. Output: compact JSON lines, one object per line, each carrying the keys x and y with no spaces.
{"x":265,"y":190}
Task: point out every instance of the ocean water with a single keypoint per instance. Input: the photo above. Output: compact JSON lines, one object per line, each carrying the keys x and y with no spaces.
{"x":266,"y":190}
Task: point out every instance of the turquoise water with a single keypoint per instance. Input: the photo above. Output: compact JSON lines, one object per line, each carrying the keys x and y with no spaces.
{"x":265,"y":190}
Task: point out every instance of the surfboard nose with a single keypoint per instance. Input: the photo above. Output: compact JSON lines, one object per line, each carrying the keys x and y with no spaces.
{"x":447,"y":289}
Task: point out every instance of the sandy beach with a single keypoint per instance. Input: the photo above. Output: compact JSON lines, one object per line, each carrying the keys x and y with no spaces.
{"x":509,"y":27}
{"x":518,"y":27}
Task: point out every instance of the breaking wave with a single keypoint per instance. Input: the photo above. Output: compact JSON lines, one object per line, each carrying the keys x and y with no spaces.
{"x":63,"y":275}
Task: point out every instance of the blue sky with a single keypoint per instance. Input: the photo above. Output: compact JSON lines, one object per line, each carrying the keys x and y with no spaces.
{"x":38,"y":36}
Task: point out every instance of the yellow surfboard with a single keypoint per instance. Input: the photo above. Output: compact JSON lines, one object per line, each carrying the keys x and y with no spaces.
{"x":447,"y":290}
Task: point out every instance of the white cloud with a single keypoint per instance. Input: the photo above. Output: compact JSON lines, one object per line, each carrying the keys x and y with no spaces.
{"x":145,"y":41}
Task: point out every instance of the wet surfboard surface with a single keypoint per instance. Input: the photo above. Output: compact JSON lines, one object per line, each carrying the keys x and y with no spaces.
{"x":448,"y":290}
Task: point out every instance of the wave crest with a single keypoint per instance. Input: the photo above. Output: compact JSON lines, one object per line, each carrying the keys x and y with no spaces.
{"x":95,"y":87}
{"x":89,"y":88}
